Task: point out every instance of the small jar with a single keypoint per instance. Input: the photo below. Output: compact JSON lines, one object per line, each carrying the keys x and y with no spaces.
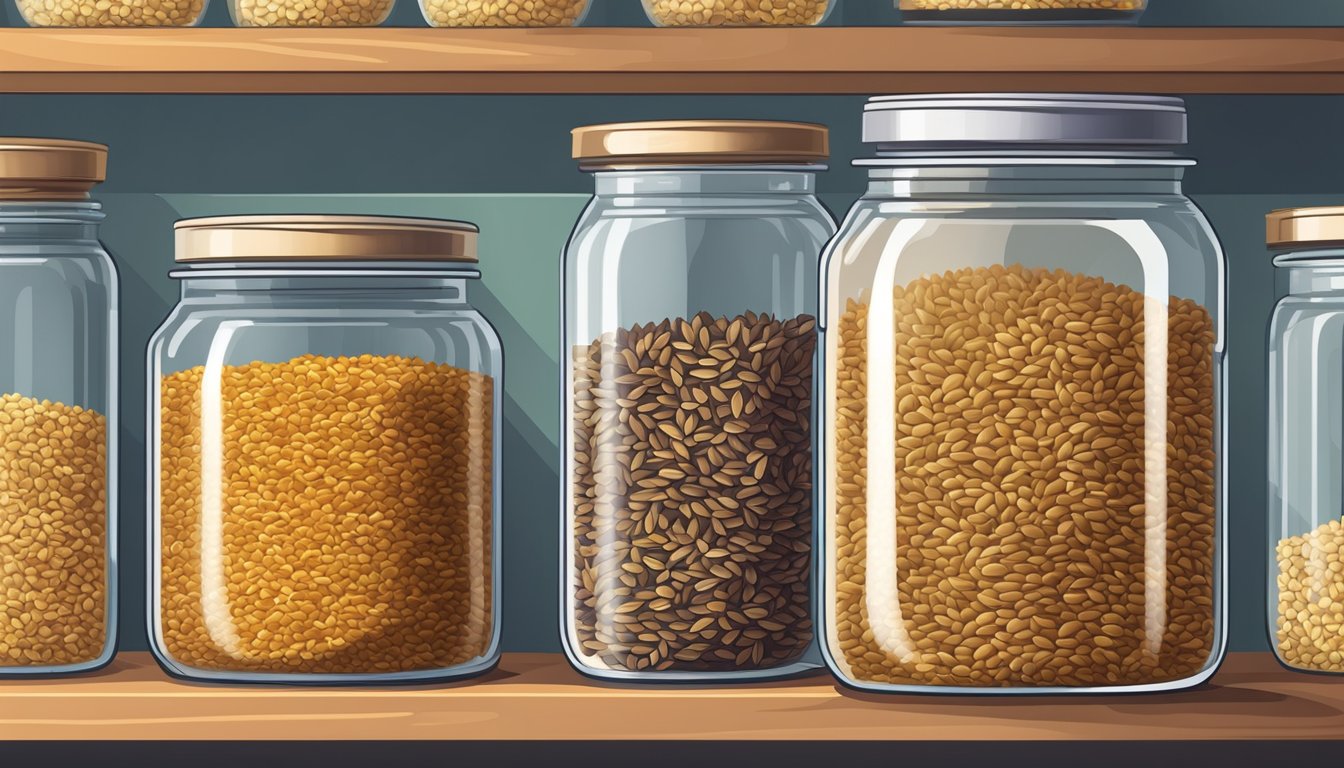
{"x":504,"y":13}
{"x":1022,"y":455}
{"x":1306,"y":435}
{"x":738,"y":13}
{"x":689,"y":331}
{"x":58,"y":412}
{"x":309,"y":13}
{"x":1025,"y":12}
{"x":324,"y":410}
{"x":111,"y":13}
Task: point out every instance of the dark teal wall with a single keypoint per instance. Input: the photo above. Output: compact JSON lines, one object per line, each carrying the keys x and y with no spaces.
{"x":503,"y":160}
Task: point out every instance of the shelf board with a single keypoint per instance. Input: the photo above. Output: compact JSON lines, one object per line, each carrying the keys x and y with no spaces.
{"x":613,"y":60}
{"x":538,"y":697}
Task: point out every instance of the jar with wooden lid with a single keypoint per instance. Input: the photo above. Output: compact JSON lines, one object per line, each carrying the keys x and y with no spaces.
{"x":689,"y":327}
{"x":324,"y":410}
{"x":58,"y":411}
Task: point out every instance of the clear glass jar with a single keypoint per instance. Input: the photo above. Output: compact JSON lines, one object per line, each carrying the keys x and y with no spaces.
{"x":1027,"y":12}
{"x":1306,"y":432}
{"x":324,"y":454}
{"x":738,"y":13}
{"x":310,"y":13}
{"x":58,"y":412}
{"x":111,"y":13}
{"x":504,"y":13}
{"x":1022,"y":450}
{"x":689,"y":335}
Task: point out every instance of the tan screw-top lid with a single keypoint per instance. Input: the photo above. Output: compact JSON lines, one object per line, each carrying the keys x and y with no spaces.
{"x":324,"y":238}
{"x":701,"y":142}
{"x":50,"y":169}
{"x":1305,"y":226}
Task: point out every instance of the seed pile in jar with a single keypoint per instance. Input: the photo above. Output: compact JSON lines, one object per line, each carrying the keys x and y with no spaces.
{"x":737,"y":13}
{"x":111,"y":13}
{"x":1311,"y":599}
{"x":326,"y":515}
{"x":311,"y":13}
{"x":503,"y":13}
{"x":53,"y":533}
{"x":1022,"y":5}
{"x":1031,"y":543}
{"x":693,"y":494}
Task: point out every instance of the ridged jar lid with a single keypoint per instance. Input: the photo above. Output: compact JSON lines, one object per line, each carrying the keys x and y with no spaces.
{"x":1305,"y":226}
{"x":50,"y":169}
{"x":1025,"y":118}
{"x":324,"y":238}
{"x":701,"y":142}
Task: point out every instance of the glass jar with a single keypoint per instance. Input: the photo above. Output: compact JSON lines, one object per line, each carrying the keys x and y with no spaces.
{"x":1306,"y":432}
{"x":324,"y":454}
{"x":58,"y":411}
{"x":504,"y":13}
{"x":1022,"y":463}
{"x":1000,"y":12}
{"x":309,"y":13}
{"x":738,"y":13}
{"x":111,"y":13}
{"x":689,"y":328}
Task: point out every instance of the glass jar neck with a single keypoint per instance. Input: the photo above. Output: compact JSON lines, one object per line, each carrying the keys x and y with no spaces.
{"x":335,"y":287}
{"x":1313,"y":272}
{"x":946,"y":176}
{"x":729,"y":182}
{"x":61,"y":220}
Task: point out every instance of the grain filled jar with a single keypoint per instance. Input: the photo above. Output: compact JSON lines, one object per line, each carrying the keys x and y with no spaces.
{"x":58,"y":411}
{"x":1022,"y":459}
{"x":324,"y":456}
{"x":309,"y":13}
{"x":1306,"y":412}
{"x":689,"y":333}
{"x":504,"y":13}
{"x":1022,"y":11}
{"x":111,"y":13}
{"x":738,"y":13}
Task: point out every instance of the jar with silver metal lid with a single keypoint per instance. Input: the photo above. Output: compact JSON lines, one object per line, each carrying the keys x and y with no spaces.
{"x":1021,"y":456}
{"x":324,"y":440}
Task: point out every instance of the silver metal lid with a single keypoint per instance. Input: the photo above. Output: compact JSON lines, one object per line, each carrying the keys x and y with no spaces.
{"x":1025,"y":118}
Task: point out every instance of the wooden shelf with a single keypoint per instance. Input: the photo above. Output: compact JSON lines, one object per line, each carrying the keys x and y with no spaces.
{"x":595,"y":60}
{"x":538,"y":697}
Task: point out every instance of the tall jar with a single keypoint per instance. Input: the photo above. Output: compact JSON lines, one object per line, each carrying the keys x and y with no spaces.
{"x":58,"y":411}
{"x":324,"y":421}
{"x":1306,"y":432}
{"x":689,"y":330}
{"x":1022,"y":457}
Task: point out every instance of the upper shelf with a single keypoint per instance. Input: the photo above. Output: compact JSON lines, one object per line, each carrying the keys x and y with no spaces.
{"x":606,"y":60}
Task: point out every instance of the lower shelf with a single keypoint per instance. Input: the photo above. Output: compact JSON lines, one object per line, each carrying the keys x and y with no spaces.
{"x":538,"y":697}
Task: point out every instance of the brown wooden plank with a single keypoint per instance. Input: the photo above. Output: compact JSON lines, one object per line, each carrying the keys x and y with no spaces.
{"x":536,"y":696}
{"x":595,"y":60}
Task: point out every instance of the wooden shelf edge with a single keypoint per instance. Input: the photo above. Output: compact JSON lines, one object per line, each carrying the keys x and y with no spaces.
{"x":596,"y":60}
{"x":538,"y":697}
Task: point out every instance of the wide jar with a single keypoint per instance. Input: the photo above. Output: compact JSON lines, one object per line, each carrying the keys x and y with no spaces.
{"x":309,"y":13}
{"x":58,"y":411}
{"x":504,"y":13}
{"x":1022,"y":11}
{"x":1306,"y":440}
{"x":738,"y":13}
{"x":689,"y":320}
{"x":1022,"y":459}
{"x":111,"y":13}
{"x":324,"y":440}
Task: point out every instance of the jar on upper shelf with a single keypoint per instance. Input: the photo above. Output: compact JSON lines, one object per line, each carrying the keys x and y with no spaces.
{"x":1024,"y":12}
{"x":310,"y":13}
{"x":1022,"y":454}
{"x":739,"y":13}
{"x":504,"y":13}
{"x":111,"y":13}
{"x":325,"y":423}
{"x":58,"y":412}
{"x":1306,"y":440}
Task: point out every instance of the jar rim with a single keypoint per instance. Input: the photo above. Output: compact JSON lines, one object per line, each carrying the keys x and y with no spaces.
{"x":324,"y":238}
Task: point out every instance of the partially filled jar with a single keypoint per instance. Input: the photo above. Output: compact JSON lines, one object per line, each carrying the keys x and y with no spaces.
{"x":1022,"y":11}
{"x":738,"y":13}
{"x":504,"y":13}
{"x":58,"y":411}
{"x":1022,"y":450}
{"x":689,"y":328}
{"x":324,"y":454}
{"x":1306,"y":440}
